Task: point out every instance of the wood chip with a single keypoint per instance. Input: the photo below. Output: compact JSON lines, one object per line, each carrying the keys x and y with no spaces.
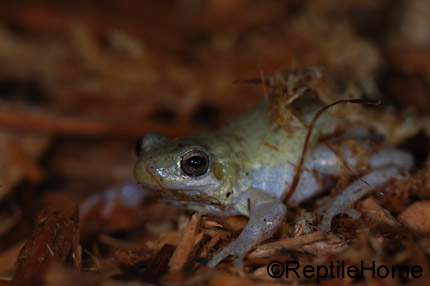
{"x":330,"y":246}
{"x":215,"y":232}
{"x":208,"y":246}
{"x":158,"y":265}
{"x":416,"y":217}
{"x":186,"y":245}
{"x":8,"y":257}
{"x":377,"y":215}
{"x":209,"y":223}
{"x":294,"y":243}
{"x":54,"y":239}
{"x":132,"y":262}
{"x":233,"y":223}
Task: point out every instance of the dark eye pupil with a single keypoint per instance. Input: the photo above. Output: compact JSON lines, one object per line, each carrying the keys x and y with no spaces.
{"x":195,"y":162}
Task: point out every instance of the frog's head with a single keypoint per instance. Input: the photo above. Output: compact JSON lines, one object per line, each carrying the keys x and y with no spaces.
{"x":181,"y":169}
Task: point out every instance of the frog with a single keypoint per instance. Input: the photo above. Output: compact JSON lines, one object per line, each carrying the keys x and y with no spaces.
{"x":246,"y":168}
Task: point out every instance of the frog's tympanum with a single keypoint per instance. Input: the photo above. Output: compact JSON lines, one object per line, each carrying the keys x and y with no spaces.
{"x":246,"y":168}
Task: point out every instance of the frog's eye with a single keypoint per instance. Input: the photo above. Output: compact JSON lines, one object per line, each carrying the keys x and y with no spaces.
{"x":149,"y":142}
{"x":195,"y":163}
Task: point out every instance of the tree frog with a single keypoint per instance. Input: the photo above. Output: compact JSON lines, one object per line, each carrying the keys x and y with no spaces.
{"x":246,"y":168}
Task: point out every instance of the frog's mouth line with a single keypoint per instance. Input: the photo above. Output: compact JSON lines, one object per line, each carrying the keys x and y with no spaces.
{"x":183,"y":196}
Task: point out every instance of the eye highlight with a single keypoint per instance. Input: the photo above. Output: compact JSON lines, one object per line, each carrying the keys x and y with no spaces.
{"x":194,"y":163}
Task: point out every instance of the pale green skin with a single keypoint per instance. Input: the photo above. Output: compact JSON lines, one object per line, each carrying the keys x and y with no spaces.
{"x":247,"y":177}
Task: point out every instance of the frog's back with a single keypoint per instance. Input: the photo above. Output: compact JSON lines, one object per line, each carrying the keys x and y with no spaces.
{"x":267,"y":155}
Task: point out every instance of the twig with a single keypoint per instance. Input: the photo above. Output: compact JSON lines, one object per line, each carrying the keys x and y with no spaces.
{"x":299,"y":169}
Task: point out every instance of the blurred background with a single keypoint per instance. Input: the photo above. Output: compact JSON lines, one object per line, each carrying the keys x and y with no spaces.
{"x":80,"y":81}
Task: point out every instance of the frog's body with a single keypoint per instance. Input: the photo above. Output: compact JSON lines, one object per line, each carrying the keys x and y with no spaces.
{"x":246,"y":169}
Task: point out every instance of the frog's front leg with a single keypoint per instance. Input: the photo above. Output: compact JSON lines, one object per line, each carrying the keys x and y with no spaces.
{"x":265,"y":215}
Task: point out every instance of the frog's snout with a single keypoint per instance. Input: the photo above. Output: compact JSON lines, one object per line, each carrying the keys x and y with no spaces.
{"x":145,"y":171}
{"x":141,"y":172}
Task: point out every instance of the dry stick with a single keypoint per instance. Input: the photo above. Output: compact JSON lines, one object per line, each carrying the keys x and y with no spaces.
{"x":80,"y":127}
{"x":346,"y":164}
{"x":299,"y":169}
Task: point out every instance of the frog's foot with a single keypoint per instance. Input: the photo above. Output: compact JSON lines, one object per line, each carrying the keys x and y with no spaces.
{"x":266,"y":215}
{"x":343,"y":203}
{"x":238,"y":248}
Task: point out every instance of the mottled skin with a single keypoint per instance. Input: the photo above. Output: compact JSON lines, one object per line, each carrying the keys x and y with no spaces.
{"x":251,"y":164}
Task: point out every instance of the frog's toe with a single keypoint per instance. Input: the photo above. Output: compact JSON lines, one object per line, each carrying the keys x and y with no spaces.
{"x":237,"y":248}
{"x":220,"y":256}
{"x":238,"y":262}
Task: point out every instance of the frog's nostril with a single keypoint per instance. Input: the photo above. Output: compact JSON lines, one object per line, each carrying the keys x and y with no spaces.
{"x":150,"y":168}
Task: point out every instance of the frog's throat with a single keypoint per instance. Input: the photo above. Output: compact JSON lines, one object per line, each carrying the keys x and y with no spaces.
{"x":187,"y":196}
